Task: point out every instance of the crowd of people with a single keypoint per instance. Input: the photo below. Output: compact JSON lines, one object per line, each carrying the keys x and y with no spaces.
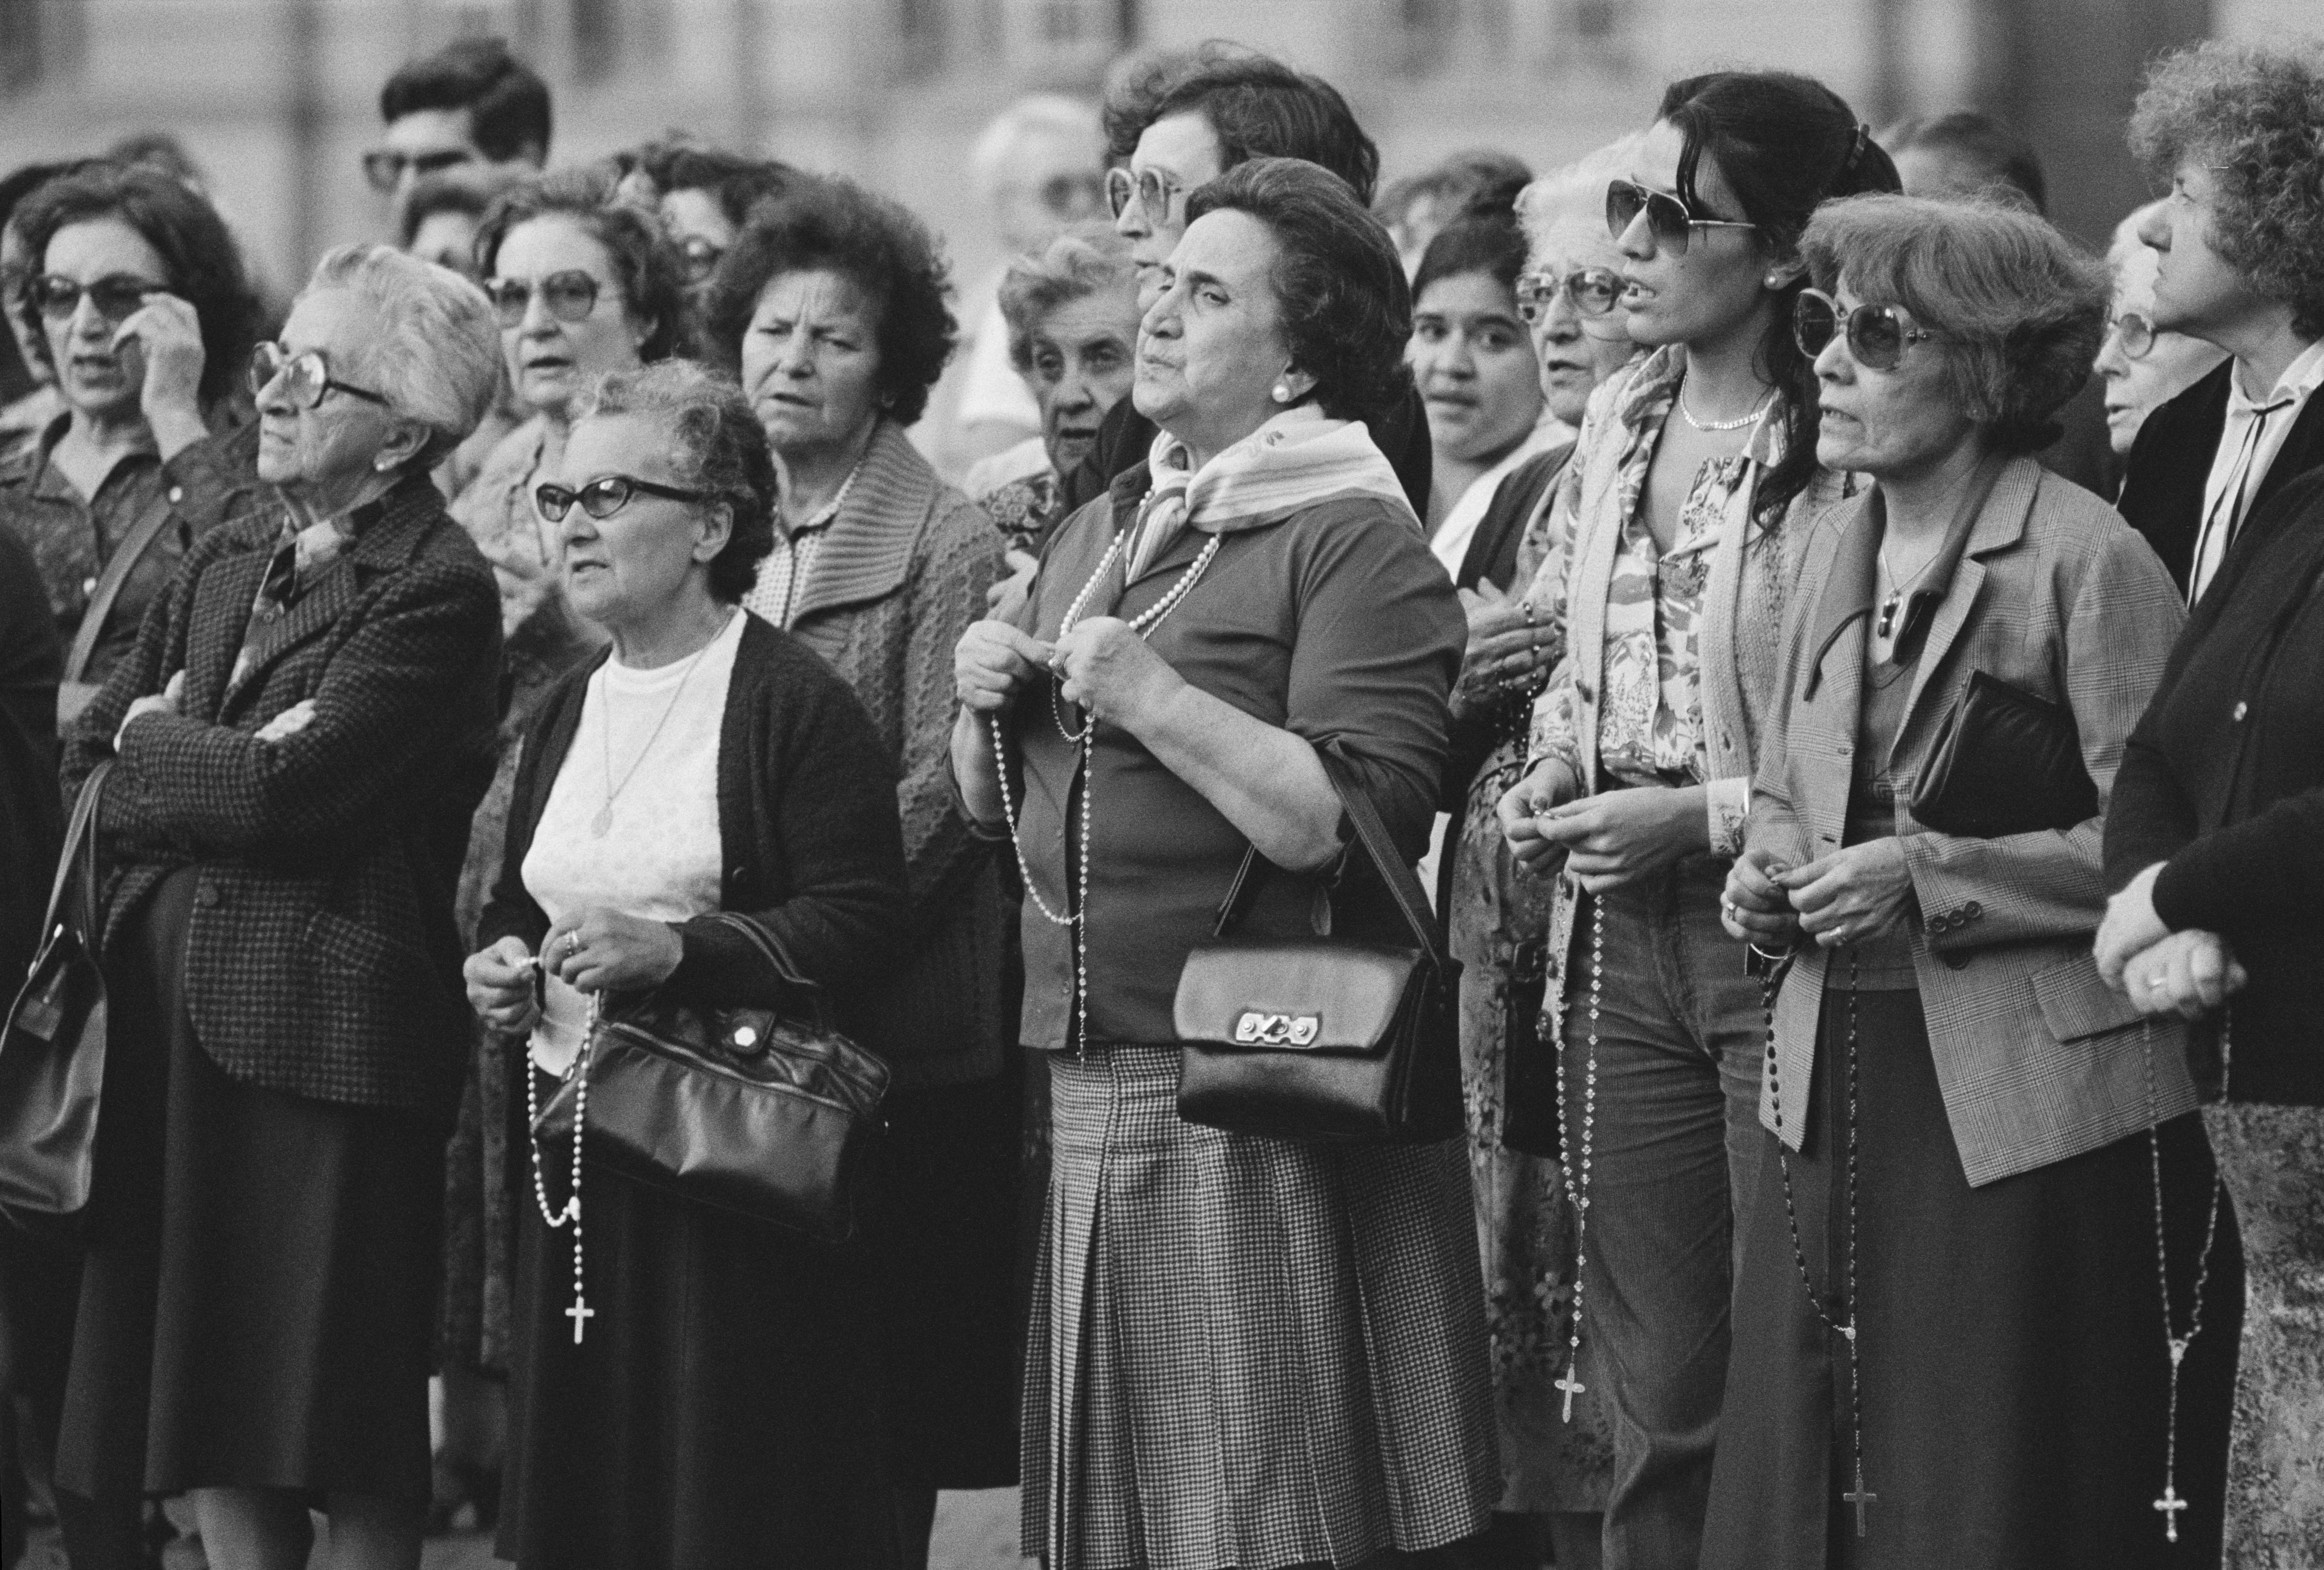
{"x":1840,"y":658}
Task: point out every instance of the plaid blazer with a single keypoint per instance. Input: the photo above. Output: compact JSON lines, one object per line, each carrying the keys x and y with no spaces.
{"x":2038,"y":1060}
{"x":322,"y":959}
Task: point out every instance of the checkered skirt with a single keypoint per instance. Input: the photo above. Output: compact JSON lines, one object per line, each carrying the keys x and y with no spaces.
{"x":1247,"y":1352}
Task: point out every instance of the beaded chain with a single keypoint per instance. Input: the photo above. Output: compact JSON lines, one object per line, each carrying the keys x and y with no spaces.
{"x":2170,"y":1504}
{"x":1846,"y":1331}
{"x":580,"y":1313}
{"x":1578,"y":1193}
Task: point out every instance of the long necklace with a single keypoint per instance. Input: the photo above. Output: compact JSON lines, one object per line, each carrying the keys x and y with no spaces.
{"x":2170,"y":1504}
{"x":1577,"y":1193}
{"x":603,"y":824}
{"x":1897,"y":587}
{"x":1709,"y":425}
{"x":569,"y":1213}
{"x":1845,"y":1328}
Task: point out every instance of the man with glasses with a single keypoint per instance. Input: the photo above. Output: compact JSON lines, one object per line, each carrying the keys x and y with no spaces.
{"x":471,"y":110}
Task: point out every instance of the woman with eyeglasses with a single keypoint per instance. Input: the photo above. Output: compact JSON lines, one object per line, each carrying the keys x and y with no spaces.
{"x":703,"y":196}
{"x":2144,"y":368}
{"x":1681,"y":515}
{"x":297,"y":739}
{"x":1989,"y":1299}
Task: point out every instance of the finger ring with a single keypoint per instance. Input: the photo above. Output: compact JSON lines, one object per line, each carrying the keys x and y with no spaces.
{"x":2157,"y":983}
{"x":572,"y":944}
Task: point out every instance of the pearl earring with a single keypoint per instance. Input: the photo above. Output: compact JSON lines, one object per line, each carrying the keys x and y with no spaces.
{"x":1283,"y":392}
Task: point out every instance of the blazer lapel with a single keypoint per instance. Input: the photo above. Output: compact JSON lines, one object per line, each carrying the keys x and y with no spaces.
{"x":2303,"y":450}
{"x":222,"y":606}
{"x":869,"y":549}
{"x":325,"y":600}
{"x":2000,"y":524}
{"x":1833,"y":684}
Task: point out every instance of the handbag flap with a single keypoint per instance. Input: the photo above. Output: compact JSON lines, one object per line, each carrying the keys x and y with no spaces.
{"x":1297,"y":995}
{"x":2005,"y":762}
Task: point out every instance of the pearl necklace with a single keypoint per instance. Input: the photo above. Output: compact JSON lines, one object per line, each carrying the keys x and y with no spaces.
{"x":1709,"y":425}
{"x":2170,"y":1504}
{"x":580,"y":1313}
{"x":1577,"y":1194}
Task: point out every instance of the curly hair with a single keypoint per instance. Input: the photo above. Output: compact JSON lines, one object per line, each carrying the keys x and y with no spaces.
{"x":826,"y":223}
{"x":736,"y":182}
{"x":1346,"y":308}
{"x":203,"y":263}
{"x":644,"y":263}
{"x":1088,"y":259}
{"x":719,"y":447}
{"x":2257,"y":115}
{"x":2020,"y":309}
{"x":1256,"y":107}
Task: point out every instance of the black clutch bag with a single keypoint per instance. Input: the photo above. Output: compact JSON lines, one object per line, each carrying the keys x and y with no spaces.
{"x":2005,"y":762}
{"x":1323,"y":1039}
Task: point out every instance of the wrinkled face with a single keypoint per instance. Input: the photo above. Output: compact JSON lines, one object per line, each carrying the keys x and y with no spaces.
{"x":651,"y":559}
{"x":1181,"y":151}
{"x":2196,"y":290}
{"x":1084,"y":355}
{"x":551,"y":360}
{"x":1210,"y":349}
{"x":2136,"y":387}
{"x":811,"y":361}
{"x":95,"y":378}
{"x":1717,"y":286}
{"x":1473,"y":361}
{"x":330,"y":448}
{"x":1576,"y":353}
{"x":1888,"y":424}
{"x":447,"y":239}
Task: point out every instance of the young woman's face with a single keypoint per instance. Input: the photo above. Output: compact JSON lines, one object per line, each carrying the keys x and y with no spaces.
{"x":1474,"y":364}
{"x":95,"y":377}
{"x":1711,"y":290}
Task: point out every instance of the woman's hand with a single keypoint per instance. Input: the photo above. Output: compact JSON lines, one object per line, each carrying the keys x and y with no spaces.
{"x":1621,"y":836}
{"x":1007,"y":597}
{"x":2131,"y":927}
{"x":1522,"y":804}
{"x":1111,"y":671}
{"x":992,"y":661}
{"x":602,"y":950}
{"x":288,"y":723}
{"x":168,"y":336}
{"x":2189,"y":974}
{"x":1505,"y":648}
{"x":1856,"y":893}
{"x":500,"y":987}
{"x":164,"y":702}
{"x":1754,"y":906}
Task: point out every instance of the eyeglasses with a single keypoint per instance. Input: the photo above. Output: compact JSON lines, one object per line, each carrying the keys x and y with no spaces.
{"x":570,"y":296}
{"x":1593,"y":291}
{"x":1878,"y":336}
{"x":1152,"y":192}
{"x":117,"y":296}
{"x":1667,"y":218}
{"x":306,"y":378}
{"x":384,"y":166}
{"x":2134,"y":334}
{"x":605,"y":496}
{"x":697,"y":259}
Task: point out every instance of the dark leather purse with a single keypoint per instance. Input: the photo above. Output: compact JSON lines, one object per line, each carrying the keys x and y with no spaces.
{"x":739,"y":1108}
{"x":2005,"y":762}
{"x":52,"y":1048}
{"x":1323,"y":1039}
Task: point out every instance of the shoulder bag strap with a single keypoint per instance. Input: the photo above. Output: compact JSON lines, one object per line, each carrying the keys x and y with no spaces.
{"x":148,"y":528}
{"x":79,"y":852}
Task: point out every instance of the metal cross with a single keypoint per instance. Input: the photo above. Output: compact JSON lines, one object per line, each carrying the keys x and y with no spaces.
{"x":1859,"y":1499}
{"x":578,"y":1313}
{"x":1571,"y":1386}
{"x":2170,"y":1504}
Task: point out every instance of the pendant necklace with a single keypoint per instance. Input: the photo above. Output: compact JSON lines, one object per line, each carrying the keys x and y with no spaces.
{"x":2170,"y":1504}
{"x":1845,"y":1326}
{"x":1896,"y":588}
{"x":603,"y":824}
{"x":1577,"y":1192}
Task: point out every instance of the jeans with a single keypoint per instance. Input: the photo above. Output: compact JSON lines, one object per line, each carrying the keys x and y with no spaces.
{"x":1679,"y":1037}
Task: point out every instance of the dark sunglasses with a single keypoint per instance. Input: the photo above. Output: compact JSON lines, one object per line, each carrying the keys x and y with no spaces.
{"x":117,"y":296}
{"x":570,"y":296}
{"x":697,"y":259}
{"x":602,"y":497}
{"x":1878,"y":336}
{"x":1593,"y":291}
{"x":2133,"y":334}
{"x":306,"y":378}
{"x":384,"y":166}
{"x":1148,"y":188}
{"x":1667,"y":218}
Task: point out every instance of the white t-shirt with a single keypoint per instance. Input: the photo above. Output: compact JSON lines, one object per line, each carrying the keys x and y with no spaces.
{"x":660,"y":858}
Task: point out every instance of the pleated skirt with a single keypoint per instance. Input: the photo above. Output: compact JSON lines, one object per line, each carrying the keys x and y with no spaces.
{"x":1245,"y":1351}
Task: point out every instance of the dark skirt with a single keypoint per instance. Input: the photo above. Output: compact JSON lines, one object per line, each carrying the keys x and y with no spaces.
{"x":2014,"y":1380}
{"x":258,"y":1295}
{"x":723,"y":1408}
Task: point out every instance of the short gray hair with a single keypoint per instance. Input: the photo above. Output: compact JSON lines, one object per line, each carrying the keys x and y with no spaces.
{"x":440,"y":362}
{"x":1577,"y":189}
{"x":1087,"y":259}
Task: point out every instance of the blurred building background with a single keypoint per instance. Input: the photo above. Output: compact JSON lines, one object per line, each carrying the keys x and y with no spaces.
{"x":277,"y":98}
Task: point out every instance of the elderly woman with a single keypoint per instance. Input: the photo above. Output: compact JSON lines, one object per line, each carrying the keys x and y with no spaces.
{"x":832,"y":306}
{"x":720,"y":1409}
{"x":136,"y":303}
{"x":296,"y":741}
{"x":1952,"y":1323}
{"x":2143,"y":367}
{"x":703,"y":196}
{"x":1257,"y":591}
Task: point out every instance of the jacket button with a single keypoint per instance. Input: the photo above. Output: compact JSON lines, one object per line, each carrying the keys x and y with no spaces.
{"x":89,"y":587}
{"x":2242,"y":709}
{"x":177,"y":494}
{"x":1972,"y":910}
{"x":206,"y":897}
{"x":1955,"y":961}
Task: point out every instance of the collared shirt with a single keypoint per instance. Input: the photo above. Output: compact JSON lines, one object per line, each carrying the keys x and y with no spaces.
{"x":2255,"y":431}
{"x":785,"y":572}
{"x":73,"y":536}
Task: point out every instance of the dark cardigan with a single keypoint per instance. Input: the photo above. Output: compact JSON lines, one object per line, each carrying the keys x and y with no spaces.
{"x":807,"y":825}
{"x":2223,"y":782}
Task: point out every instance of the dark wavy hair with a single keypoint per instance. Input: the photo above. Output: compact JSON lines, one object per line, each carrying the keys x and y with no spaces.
{"x":203,"y":263}
{"x":1346,"y":308}
{"x":1257,"y":106}
{"x":1990,"y":155}
{"x":720,"y":449}
{"x":1491,"y":243}
{"x":1476,"y":184}
{"x":1784,"y":144}
{"x":507,"y":104}
{"x":824,"y":222}
{"x":644,"y":263}
{"x":736,"y":182}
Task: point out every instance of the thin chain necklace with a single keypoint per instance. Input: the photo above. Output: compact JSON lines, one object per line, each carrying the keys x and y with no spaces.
{"x":1897,"y":587}
{"x":1709,"y":425}
{"x":1577,"y":1192}
{"x":2170,"y":1504}
{"x":603,"y":824}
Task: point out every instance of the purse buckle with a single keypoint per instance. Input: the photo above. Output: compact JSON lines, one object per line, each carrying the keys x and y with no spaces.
{"x":1259,"y":1028}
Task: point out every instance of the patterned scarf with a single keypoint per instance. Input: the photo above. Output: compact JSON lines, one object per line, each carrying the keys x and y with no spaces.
{"x":1298,"y":458}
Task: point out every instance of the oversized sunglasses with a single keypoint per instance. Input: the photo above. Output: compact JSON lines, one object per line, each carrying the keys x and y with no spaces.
{"x":2134,"y":333}
{"x":306,"y":378}
{"x":1878,"y":336}
{"x":1593,"y":291}
{"x":117,"y":296}
{"x":570,"y":296}
{"x":1667,"y":218}
{"x":384,"y":166}
{"x":606,"y":495}
{"x":1152,"y":192}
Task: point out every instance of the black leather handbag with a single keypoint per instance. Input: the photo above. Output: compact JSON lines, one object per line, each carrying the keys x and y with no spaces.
{"x":52,"y":1048}
{"x":2005,"y":762}
{"x":1323,"y":1039}
{"x":739,"y":1108}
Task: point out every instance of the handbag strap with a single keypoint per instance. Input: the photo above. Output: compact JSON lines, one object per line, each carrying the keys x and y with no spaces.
{"x":79,"y":850}
{"x":142,"y":535}
{"x":818,"y":1002}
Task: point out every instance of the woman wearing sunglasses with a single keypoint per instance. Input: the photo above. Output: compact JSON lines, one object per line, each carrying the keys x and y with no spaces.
{"x":709,"y":1398}
{"x":1980,"y":1174}
{"x":1684,"y":509}
{"x":2144,"y":367}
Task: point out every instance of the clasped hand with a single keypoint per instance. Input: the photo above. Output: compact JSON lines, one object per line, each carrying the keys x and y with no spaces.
{"x":1609,"y":839}
{"x":2189,"y":973}
{"x":593,"y":951}
{"x":1857,"y":893}
{"x":1101,"y":665}
{"x":1505,"y":645}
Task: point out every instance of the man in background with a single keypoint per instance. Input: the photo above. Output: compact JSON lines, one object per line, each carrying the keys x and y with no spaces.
{"x":470,"y":110}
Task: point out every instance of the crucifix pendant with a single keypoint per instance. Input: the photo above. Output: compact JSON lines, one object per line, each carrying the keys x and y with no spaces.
{"x":1888,"y":608}
{"x":1571,"y":1386}
{"x":603,"y":824}
{"x":2170,"y":1504}
{"x":579,"y":1312}
{"x":1860,"y":1497}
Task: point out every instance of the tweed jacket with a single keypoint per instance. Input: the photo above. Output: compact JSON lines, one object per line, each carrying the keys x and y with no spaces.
{"x":897,"y":580}
{"x":2037,"y":1058}
{"x":322,"y":960}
